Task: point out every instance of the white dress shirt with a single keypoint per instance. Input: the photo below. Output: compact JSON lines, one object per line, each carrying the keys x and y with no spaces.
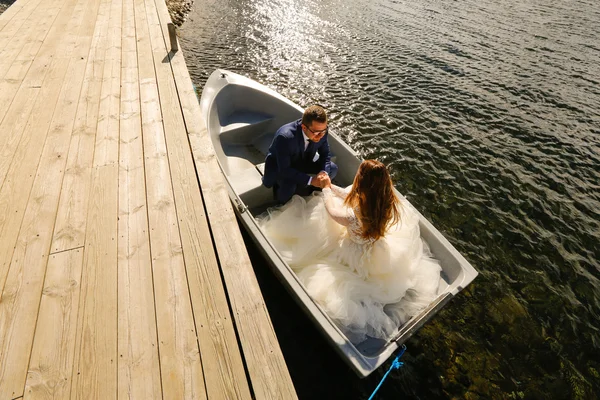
{"x":306,"y":141}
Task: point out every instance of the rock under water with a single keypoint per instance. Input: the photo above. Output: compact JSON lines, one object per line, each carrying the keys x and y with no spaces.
{"x":178,"y":9}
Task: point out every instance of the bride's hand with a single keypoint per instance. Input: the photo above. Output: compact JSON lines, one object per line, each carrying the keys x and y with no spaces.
{"x":322,"y":180}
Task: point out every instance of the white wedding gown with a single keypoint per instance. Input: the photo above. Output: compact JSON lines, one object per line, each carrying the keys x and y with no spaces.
{"x":369,"y":288}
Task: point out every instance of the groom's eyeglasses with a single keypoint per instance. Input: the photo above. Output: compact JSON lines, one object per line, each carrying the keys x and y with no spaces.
{"x":318,"y":133}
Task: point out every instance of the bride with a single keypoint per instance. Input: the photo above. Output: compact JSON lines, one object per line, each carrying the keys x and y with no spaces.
{"x":358,"y":252}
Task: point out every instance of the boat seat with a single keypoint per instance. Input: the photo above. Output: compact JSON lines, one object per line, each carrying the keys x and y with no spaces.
{"x":245,"y":180}
{"x":248,"y":185}
{"x":242,"y":128}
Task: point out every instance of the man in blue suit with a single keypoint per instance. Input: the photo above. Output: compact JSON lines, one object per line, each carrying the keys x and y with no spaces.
{"x":299,"y":159}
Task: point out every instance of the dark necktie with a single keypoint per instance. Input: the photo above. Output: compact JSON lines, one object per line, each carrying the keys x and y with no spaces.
{"x":308,"y":150}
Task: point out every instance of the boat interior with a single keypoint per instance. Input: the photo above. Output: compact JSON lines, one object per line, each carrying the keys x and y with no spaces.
{"x":242,"y":131}
{"x":245,"y":137}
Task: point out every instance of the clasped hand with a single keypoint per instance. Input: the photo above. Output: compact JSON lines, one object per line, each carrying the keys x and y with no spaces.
{"x":322,"y":180}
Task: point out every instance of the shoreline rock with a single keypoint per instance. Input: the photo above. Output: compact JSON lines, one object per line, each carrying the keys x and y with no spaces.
{"x":179,"y":10}
{"x":4,"y":4}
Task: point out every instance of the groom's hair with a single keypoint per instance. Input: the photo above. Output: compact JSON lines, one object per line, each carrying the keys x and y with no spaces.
{"x":314,"y":113}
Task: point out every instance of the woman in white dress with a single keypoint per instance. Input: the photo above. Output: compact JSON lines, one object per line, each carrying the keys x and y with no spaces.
{"x":358,"y":252}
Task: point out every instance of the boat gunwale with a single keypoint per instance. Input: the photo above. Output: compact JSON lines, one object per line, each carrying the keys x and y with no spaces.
{"x":361,"y":363}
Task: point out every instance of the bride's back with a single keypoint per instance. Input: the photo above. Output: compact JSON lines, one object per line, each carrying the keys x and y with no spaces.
{"x":373,"y":201}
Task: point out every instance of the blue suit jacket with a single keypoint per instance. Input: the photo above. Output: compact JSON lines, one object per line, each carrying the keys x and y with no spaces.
{"x":286,"y":159}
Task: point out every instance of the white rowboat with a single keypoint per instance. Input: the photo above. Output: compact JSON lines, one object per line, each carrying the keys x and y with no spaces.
{"x":242,"y":116}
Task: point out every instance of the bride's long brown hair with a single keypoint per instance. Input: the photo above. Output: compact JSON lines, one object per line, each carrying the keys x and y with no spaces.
{"x":373,"y":194}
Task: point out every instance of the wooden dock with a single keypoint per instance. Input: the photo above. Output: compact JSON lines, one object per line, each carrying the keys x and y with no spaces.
{"x":122,"y":269}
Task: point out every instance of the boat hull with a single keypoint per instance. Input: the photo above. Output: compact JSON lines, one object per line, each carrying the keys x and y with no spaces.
{"x":242,"y":116}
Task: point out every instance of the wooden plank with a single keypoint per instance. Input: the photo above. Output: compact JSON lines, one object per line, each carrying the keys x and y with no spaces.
{"x":95,"y":363}
{"x":10,"y":12}
{"x":15,"y":15}
{"x":266,"y":365}
{"x":69,"y":231}
{"x":21,"y":172}
{"x":29,"y":36}
{"x":12,"y":19}
{"x":17,"y":186}
{"x":51,"y":365}
{"x":223,"y":366}
{"x":13,"y":126}
{"x":138,"y":363}
{"x":17,"y":60}
{"x":16,"y":102}
{"x":181,"y":369}
{"x":107,"y":135}
{"x":22,"y":291}
{"x":14,"y":9}
{"x":95,"y":367}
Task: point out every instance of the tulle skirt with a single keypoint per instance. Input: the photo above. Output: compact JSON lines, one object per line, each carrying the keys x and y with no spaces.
{"x":368,"y":289}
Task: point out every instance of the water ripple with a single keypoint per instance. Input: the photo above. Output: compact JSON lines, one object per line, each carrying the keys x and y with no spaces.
{"x":488,"y":114}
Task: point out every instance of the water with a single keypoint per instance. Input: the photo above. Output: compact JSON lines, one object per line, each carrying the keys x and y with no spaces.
{"x":488,"y":113}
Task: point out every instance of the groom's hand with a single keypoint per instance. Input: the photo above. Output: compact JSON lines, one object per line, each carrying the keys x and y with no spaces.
{"x":320,"y":180}
{"x":326,"y":179}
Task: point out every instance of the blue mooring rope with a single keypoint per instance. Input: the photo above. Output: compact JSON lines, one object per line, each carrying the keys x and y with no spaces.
{"x":395,"y":365}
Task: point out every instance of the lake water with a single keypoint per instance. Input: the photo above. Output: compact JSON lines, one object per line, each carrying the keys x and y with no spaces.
{"x":488,"y":113}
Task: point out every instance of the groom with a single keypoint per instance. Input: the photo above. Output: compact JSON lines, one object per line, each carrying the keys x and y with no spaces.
{"x":298,"y":149}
